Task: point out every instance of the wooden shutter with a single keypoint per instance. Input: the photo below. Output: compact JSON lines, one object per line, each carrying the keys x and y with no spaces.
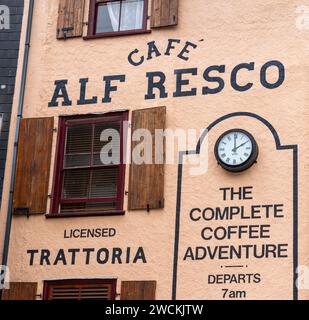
{"x":70,"y":18}
{"x":20,"y":291}
{"x":33,"y":165}
{"x":138,"y":290}
{"x":146,"y":186}
{"x":164,"y":13}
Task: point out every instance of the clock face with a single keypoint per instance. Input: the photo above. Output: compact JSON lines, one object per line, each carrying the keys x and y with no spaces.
{"x":236,"y":150}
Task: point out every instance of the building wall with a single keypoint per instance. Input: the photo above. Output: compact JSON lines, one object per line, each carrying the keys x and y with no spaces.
{"x":226,"y":33}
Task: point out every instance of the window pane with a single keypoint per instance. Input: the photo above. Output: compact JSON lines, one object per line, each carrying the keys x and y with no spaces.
{"x":108,"y":17}
{"x":106,"y":152}
{"x":76,"y":184}
{"x":78,"y":146}
{"x":132,"y":13}
{"x":104,"y":183}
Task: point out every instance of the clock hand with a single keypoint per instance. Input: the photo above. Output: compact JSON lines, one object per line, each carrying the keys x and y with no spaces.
{"x":234,"y":142}
{"x":241,"y":145}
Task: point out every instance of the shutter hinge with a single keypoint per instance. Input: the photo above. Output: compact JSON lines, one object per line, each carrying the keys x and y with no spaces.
{"x":65,"y":31}
{"x":23,"y":211}
{"x":126,"y":193}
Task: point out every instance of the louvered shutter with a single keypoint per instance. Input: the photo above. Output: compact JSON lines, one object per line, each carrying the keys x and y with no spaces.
{"x":70,"y":18}
{"x":164,"y":13}
{"x":83,"y":290}
{"x":138,"y":290}
{"x":33,"y":166}
{"x":146,"y":185}
{"x":20,"y":291}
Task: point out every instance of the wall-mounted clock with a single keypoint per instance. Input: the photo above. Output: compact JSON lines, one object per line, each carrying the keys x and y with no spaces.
{"x":236,"y":150}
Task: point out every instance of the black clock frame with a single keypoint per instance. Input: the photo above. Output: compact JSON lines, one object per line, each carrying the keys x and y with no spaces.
{"x":249,"y":162}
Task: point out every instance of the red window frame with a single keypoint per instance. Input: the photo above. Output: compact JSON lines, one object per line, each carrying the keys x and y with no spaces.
{"x":80,"y":282}
{"x":59,"y":168}
{"x":93,"y":11}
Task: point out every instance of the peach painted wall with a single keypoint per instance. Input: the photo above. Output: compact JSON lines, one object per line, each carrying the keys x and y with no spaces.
{"x":233,"y":32}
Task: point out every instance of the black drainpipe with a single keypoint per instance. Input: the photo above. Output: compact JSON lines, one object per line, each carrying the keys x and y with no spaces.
{"x":19,"y":117}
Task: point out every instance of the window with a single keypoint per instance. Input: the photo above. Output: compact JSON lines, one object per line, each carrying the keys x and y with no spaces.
{"x":116,"y":17}
{"x":80,"y":290}
{"x":89,"y":177}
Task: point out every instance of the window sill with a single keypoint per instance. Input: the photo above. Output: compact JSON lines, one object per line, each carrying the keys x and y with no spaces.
{"x":116,"y":34}
{"x":84,"y":214}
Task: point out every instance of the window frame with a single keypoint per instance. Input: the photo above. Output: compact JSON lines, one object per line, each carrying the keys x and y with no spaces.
{"x":79,"y":282}
{"x":58,"y":168}
{"x":91,"y":34}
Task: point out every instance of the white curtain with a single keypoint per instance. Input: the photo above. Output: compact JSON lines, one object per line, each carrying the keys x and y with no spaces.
{"x":132,"y":12}
{"x":114,"y":11}
{"x":132,"y":15}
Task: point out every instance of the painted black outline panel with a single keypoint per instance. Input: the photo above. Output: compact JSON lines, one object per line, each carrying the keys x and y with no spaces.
{"x":279,"y":146}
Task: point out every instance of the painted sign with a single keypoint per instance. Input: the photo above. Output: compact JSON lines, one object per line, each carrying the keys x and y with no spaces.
{"x":87,"y":256}
{"x":238,"y":241}
{"x":213,"y":76}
